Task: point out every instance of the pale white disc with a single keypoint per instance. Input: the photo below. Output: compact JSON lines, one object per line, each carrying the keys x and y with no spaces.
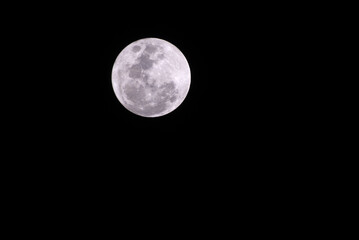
{"x":151,"y":77}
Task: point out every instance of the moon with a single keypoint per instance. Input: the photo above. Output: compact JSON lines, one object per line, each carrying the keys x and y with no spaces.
{"x":151,"y":77}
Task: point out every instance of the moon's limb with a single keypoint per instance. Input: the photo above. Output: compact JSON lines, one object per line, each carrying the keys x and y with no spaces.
{"x":151,"y":77}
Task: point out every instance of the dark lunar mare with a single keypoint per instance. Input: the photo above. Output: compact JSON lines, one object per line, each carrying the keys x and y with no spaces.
{"x":136,"y":48}
{"x":150,"y":48}
{"x":145,"y":61}
{"x":135,"y":94}
{"x":135,"y":71}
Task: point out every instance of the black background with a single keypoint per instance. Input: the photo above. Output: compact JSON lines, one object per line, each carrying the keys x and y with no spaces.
{"x":241,"y":120}
{"x":238,"y":143}
{"x":239,"y":153}
{"x":246,"y":62}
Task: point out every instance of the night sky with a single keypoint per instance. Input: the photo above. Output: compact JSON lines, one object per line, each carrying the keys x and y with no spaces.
{"x":235,"y":154}
{"x":241,"y":108}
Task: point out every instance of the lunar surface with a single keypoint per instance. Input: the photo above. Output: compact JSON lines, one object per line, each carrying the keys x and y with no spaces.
{"x":151,"y":77}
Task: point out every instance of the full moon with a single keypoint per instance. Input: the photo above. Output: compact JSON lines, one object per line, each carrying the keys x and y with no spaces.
{"x":151,"y":77}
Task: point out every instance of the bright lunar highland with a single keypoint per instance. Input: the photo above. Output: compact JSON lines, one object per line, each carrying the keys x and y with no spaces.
{"x":151,"y":77}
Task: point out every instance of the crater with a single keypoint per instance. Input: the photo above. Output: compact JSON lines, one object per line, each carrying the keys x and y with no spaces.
{"x":173,"y":99}
{"x":136,"y":48}
{"x":145,"y":78}
{"x":161,"y":56}
{"x":137,"y":94}
{"x":166,"y":92}
{"x":168,"y":86}
{"x":156,"y":109}
{"x":151,"y":82}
